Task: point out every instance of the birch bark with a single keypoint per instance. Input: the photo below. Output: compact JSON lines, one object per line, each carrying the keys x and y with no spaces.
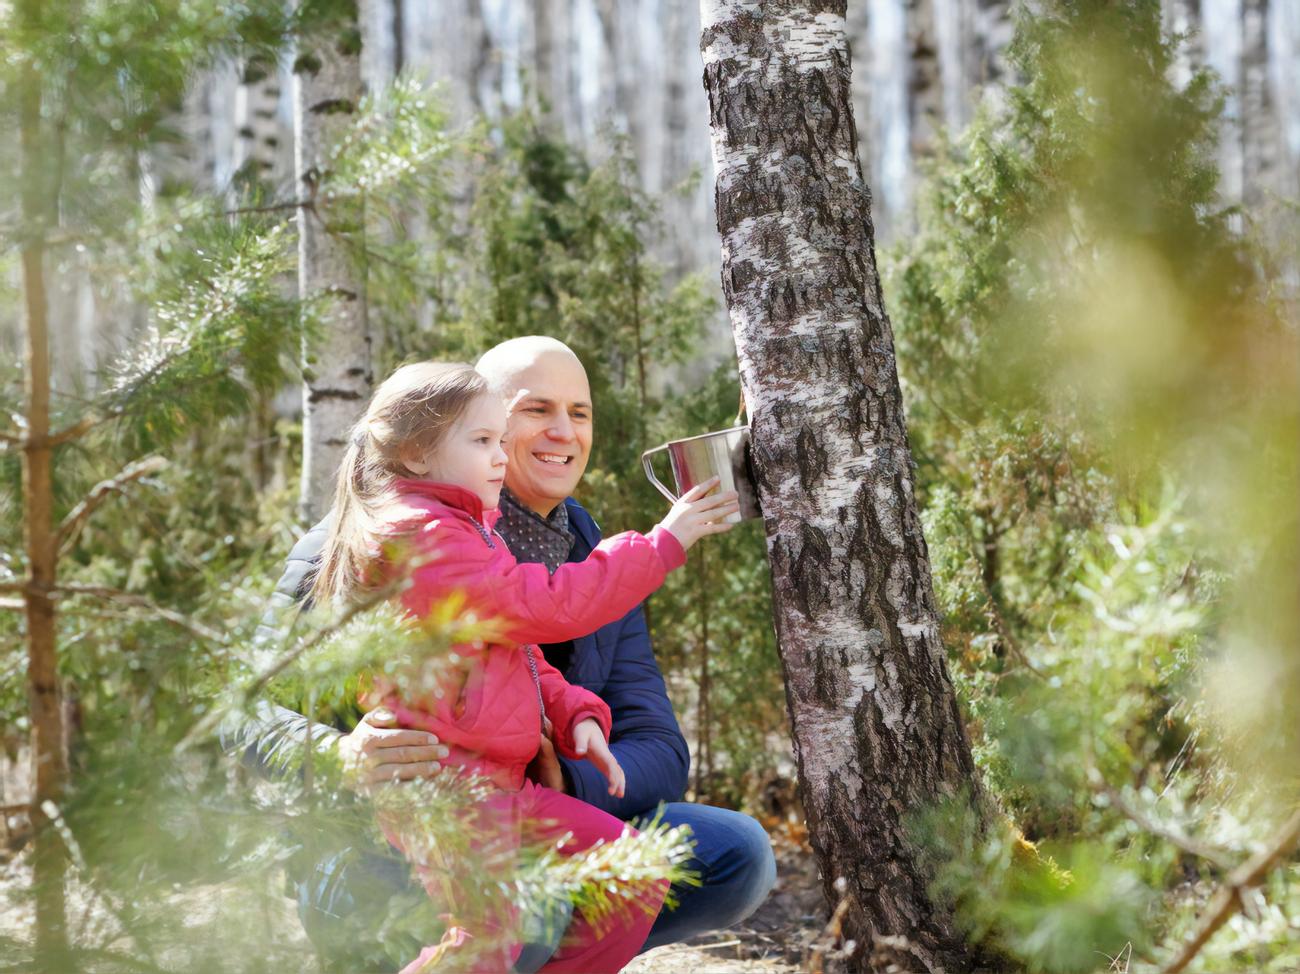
{"x":924,"y":82}
{"x":1259,"y":119}
{"x":876,"y":726}
{"x":331,"y":275}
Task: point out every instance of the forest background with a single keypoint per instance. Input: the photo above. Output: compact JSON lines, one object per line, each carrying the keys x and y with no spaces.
{"x":1089,"y":249}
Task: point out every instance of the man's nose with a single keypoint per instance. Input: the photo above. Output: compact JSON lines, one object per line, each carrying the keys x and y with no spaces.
{"x":561,"y":428}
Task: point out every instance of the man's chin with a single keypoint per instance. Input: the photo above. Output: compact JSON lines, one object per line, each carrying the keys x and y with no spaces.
{"x":542,"y":500}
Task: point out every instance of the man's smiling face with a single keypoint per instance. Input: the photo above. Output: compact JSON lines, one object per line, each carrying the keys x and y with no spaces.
{"x":549,"y":431}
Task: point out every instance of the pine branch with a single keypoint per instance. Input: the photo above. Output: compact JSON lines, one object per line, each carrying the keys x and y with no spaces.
{"x":306,"y":204}
{"x":140,"y":602}
{"x":277,"y":666}
{"x":81,"y":427}
{"x":1230,"y":897}
{"x":1175,"y":838}
{"x":76,"y":519}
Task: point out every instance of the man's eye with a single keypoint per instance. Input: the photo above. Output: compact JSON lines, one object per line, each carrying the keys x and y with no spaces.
{"x":535,"y":410}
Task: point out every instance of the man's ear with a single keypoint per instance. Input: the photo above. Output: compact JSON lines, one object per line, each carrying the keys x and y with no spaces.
{"x":413,"y":459}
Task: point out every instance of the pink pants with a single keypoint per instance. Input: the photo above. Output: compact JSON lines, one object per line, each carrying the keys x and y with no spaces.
{"x":536,"y":814}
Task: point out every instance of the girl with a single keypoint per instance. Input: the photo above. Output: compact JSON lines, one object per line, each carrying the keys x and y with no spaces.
{"x":425,"y":465}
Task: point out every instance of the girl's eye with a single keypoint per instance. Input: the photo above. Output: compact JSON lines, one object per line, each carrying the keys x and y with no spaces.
{"x":481,"y":439}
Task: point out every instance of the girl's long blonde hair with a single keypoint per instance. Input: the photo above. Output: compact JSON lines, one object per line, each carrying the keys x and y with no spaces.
{"x":413,"y":407}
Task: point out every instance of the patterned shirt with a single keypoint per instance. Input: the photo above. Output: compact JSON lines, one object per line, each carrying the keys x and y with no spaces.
{"x":531,"y":537}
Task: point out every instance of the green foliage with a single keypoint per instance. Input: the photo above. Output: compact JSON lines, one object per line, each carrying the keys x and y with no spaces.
{"x":1103,"y":459}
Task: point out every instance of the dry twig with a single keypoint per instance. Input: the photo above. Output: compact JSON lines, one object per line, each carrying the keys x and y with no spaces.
{"x":140,"y":602}
{"x":1230,"y":897}
{"x":77,"y":517}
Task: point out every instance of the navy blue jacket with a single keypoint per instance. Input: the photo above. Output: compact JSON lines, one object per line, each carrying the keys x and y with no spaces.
{"x":616,"y":662}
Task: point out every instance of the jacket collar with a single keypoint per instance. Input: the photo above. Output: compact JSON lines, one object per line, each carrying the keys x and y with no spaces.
{"x":450,"y":495}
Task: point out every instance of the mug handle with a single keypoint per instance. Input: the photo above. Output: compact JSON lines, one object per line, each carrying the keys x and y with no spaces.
{"x":650,"y":472}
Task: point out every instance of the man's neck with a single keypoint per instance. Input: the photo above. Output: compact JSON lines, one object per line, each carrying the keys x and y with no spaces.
{"x":542,"y":508}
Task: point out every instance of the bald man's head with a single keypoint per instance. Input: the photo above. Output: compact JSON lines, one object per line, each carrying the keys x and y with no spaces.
{"x":548,"y":398}
{"x":503,"y":364}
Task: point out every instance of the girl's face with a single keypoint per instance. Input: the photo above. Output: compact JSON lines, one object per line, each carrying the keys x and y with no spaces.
{"x":471,"y":454}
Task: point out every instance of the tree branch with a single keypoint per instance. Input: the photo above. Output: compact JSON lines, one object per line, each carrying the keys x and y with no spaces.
{"x":77,"y":517}
{"x":1230,"y":897}
{"x":1176,"y":839}
{"x":80,"y":428}
{"x":273,"y":207}
{"x":286,"y":659}
{"x":140,"y":602}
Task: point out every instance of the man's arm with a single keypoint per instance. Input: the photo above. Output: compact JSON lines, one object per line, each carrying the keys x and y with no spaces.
{"x":646,"y":739}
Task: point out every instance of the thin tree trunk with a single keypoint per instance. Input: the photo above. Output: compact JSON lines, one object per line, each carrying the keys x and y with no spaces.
{"x":49,"y":758}
{"x":544,"y":62}
{"x":925,"y":84}
{"x":331,"y":274}
{"x":1260,"y":124}
{"x":621,"y":66}
{"x":876,"y":725}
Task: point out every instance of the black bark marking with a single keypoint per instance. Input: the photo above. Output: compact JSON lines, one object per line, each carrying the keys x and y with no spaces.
{"x":343,"y":395}
{"x":334,"y":106}
{"x":810,"y":570}
{"x":811,"y":458}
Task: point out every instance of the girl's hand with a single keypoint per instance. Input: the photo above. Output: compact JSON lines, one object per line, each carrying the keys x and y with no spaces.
{"x":694,"y":515}
{"x":589,"y":741}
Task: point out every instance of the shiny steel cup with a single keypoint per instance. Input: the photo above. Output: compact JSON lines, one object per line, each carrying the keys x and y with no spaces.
{"x":724,"y":454}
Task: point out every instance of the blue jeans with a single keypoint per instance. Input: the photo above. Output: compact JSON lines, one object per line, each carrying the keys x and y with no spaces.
{"x":733,"y":860}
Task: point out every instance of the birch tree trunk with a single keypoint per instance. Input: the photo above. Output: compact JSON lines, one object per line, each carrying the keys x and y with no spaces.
{"x":924,"y":82}
{"x":1260,"y":123}
{"x":877,"y":730}
{"x":44,"y":699}
{"x":257,"y":121}
{"x":331,"y":273}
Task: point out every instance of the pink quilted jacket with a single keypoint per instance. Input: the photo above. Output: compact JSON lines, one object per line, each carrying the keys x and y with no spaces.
{"x":487,"y":713}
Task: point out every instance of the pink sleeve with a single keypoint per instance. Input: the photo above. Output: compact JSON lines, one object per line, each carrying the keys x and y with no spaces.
{"x":568,"y":705}
{"x":531,"y":604}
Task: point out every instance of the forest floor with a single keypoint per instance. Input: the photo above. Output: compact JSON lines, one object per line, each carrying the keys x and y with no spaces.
{"x":781,"y":937}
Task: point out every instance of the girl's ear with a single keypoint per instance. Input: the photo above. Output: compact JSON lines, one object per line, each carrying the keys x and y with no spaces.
{"x":413,"y":459}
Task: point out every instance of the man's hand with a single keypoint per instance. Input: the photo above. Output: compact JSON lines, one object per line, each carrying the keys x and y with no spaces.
{"x":589,"y":742}
{"x":544,"y":769}
{"x":378,"y":752}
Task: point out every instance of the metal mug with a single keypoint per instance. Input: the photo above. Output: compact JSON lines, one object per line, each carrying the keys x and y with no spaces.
{"x":724,"y":454}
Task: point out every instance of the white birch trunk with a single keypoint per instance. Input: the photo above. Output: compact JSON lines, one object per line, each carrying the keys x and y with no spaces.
{"x":925,"y":81}
{"x":260,"y":151}
{"x":1260,"y":128}
{"x":331,"y":276}
{"x":877,"y":730}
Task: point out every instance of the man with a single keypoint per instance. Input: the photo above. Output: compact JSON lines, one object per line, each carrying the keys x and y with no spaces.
{"x":549,"y":439}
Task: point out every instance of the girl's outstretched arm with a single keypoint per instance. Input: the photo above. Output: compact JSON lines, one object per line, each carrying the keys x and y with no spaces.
{"x":529,"y":603}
